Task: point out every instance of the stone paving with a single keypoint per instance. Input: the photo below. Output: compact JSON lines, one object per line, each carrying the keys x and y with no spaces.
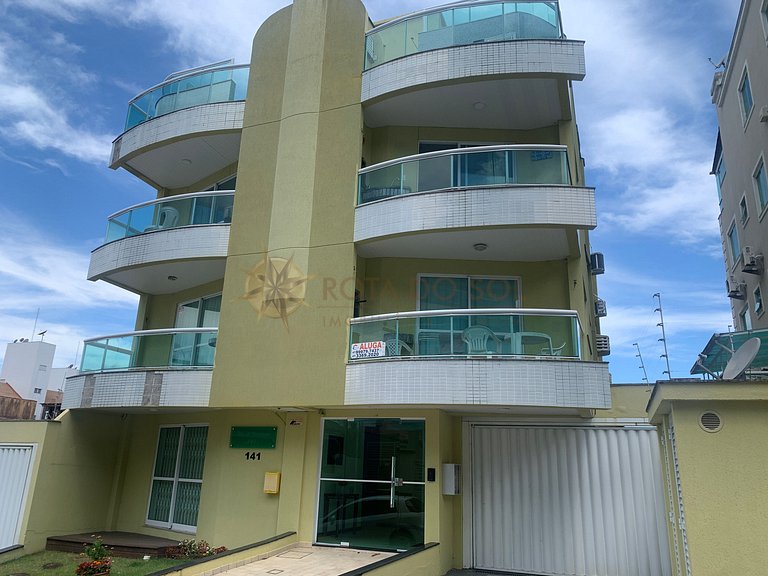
{"x":307,"y":560}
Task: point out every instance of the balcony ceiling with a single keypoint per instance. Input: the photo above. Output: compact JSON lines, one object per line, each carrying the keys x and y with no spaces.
{"x":184,"y":162}
{"x":153,"y":279}
{"x":504,"y":244}
{"x":519,"y":103}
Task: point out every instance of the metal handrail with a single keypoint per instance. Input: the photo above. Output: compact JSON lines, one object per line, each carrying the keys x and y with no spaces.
{"x":467,"y":312}
{"x":172,"y":199}
{"x":465,"y":150}
{"x":154,"y":332}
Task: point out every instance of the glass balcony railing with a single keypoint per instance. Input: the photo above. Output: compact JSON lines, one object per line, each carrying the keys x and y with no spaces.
{"x":459,"y":25}
{"x":476,"y":332}
{"x":479,"y":167}
{"x":172,"y":348}
{"x":224,"y":84}
{"x":172,"y":212}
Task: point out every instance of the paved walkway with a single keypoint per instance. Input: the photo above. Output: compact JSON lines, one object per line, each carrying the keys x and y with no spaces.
{"x":307,"y":560}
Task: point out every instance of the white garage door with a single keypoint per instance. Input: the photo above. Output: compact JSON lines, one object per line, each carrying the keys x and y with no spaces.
{"x":575,"y":501}
{"x":15,"y":463}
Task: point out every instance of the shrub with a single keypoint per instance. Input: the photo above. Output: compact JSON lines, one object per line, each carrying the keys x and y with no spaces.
{"x":191,"y":549}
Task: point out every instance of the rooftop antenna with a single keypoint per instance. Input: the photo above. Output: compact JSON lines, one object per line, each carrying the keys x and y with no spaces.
{"x":42,"y":335}
{"x":663,"y":338}
{"x":34,"y":328}
{"x":642,"y":364}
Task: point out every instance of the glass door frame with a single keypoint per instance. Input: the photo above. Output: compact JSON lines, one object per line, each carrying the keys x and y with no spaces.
{"x":393,"y":481}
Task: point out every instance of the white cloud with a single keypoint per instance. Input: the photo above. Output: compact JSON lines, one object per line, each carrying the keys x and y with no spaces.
{"x":38,"y":272}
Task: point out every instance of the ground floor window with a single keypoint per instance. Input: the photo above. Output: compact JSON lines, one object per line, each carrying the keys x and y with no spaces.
{"x":177,"y":477}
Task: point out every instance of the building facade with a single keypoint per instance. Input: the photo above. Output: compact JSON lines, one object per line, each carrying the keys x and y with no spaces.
{"x":740,"y":94}
{"x":368,"y":308}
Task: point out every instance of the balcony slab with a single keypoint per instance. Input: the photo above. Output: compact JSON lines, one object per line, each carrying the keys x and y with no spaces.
{"x":137,"y":388}
{"x":534,"y":382}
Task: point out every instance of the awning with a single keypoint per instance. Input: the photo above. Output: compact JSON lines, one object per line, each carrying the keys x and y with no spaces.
{"x":717,"y":351}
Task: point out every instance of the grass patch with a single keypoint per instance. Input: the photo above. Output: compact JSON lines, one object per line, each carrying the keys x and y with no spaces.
{"x":64,"y":564}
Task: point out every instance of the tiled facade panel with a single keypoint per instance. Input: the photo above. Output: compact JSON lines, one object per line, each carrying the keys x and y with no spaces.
{"x":539,"y":205}
{"x":160,"y":246}
{"x":139,"y":388}
{"x":540,"y":57}
{"x":539,"y":382}
{"x":205,"y":118}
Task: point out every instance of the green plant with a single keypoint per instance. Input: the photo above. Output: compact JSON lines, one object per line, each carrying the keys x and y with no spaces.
{"x":191,"y":549}
{"x":96,"y":549}
{"x":99,"y":561}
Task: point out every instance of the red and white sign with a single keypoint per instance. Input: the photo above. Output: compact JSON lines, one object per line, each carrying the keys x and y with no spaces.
{"x":368,"y":350}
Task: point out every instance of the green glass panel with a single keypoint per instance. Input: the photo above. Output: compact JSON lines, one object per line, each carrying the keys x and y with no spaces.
{"x":193,"y":452}
{"x":187,"y":503}
{"x":167,"y":449}
{"x":160,"y":500}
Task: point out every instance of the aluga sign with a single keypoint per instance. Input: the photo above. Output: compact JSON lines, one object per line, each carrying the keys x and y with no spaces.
{"x":368,"y":350}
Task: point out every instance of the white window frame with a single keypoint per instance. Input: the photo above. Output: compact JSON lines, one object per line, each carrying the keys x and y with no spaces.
{"x":757,"y":296}
{"x":735,"y":257}
{"x":170,"y":525}
{"x":764,"y":19}
{"x":763,"y":207}
{"x":743,"y":210}
{"x":746,"y":319}
{"x":720,"y":177}
{"x":470,"y":277}
{"x":745,"y":114}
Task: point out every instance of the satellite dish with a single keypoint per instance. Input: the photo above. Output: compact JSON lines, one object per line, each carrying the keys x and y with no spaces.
{"x":741,"y":359}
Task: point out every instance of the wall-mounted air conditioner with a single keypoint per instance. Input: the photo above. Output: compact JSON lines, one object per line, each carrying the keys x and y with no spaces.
{"x":602,"y":345}
{"x":753,"y":262}
{"x":596,"y":263}
{"x":736,"y":290}
{"x":601,"y":310}
{"x":764,"y":113}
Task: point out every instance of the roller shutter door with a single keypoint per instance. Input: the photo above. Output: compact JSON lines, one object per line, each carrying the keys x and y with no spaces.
{"x":568,"y":501}
{"x":15,"y":463}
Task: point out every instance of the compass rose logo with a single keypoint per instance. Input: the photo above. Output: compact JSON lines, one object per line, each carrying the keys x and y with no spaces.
{"x":275,"y":287}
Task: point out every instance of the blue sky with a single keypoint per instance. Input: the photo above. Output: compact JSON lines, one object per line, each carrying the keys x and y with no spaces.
{"x":69,"y":67}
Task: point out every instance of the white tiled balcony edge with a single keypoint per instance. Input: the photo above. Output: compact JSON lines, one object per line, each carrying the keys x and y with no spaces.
{"x":489,"y":382}
{"x":477,"y":207}
{"x":221,"y":116}
{"x":207,"y":241}
{"x":531,"y":57}
{"x":136,"y":388}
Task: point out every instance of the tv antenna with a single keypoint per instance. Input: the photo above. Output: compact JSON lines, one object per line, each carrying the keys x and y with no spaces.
{"x":663,"y":338}
{"x":642,"y":364}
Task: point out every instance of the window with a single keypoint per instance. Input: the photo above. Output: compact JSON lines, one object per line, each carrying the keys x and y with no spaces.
{"x":733,"y":243}
{"x":743,"y":212}
{"x":758,"y":296}
{"x":177,"y":477}
{"x":746,"y":319}
{"x":764,"y":18}
{"x":745,"y":97}
{"x":196,"y":349}
{"x":761,"y":184}
{"x":38,"y":390}
{"x":462,"y":292}
{"x":720,"y":171}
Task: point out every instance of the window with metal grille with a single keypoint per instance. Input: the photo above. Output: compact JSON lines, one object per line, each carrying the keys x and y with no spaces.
{"x":177,"y":478}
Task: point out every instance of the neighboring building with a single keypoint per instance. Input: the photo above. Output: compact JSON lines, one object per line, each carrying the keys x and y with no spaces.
{"x":740,"y":92}
{"x":13,"y":406}
{"x":27,"y":366}
{"x":368,"y":311}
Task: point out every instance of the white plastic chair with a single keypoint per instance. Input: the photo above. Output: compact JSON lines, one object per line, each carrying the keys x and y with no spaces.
{"x":476,"y":338}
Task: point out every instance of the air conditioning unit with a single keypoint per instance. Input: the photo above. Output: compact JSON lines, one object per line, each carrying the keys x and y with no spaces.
{"x":764,"y":113}
{"x":753,"y":262}
{"x":736,"y":290}
{"x":601,"y":310}
{"x":602,"y":345}
{"x":596,"y":263}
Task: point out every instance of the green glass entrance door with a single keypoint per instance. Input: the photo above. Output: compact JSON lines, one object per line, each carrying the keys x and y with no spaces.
{"x":372,"y":484}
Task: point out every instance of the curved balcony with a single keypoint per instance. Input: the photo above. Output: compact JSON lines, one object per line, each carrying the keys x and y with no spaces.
{"x":189,"y":126}
{"x":166,"y":245}
{"x":415,"y":67}
{"x":147,"y":368}
{"x":492,"y":356}
{"x":516,"y":200}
